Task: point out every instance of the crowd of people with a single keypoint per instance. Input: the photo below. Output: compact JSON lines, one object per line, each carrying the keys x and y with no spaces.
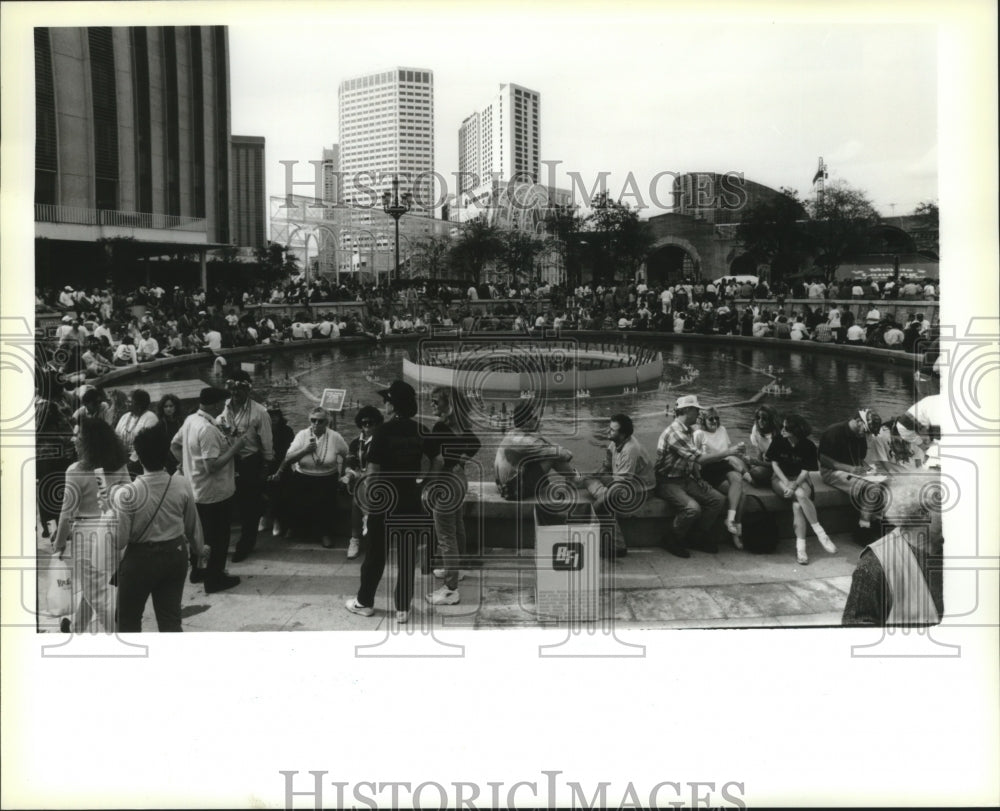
{"x":237,"y":460}
{"x":106,"y":328}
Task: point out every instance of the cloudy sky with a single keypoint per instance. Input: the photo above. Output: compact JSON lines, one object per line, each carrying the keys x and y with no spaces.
{"x":638,"y":91}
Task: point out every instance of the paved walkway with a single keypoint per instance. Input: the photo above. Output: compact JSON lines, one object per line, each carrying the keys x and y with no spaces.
{"x":291,"y":585}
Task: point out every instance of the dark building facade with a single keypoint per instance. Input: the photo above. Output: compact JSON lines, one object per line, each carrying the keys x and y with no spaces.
{"x":249,"y":191}
{"x":132,"y":140}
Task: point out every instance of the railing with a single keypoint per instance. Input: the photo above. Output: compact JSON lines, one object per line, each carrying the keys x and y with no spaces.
{"x":74,"y":215}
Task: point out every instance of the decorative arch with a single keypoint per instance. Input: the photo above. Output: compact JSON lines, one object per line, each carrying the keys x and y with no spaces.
{"x":664,"y":262}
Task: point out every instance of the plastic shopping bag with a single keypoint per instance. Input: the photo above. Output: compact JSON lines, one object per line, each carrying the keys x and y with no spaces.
{"x":56,"y":597}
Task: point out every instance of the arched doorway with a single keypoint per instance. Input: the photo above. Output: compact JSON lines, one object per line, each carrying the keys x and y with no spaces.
{"x":672,"y":261}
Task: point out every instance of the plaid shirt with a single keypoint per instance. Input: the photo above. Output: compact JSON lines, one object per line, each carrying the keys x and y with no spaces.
{"x":676,"y":454}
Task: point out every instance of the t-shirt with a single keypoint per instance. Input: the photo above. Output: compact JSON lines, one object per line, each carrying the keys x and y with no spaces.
{"x":841,"y":444}
{"x":792,"y":459}
{"x":452,"y":446}
{"x":322,"y":461}
{"x":200,"y":439}
{"x":397,"y":448}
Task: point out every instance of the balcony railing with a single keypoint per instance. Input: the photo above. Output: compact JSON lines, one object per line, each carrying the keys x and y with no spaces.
{"x":73,"y":215}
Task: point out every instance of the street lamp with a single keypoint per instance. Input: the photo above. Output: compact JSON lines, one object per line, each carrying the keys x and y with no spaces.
{"x":396,"y":208}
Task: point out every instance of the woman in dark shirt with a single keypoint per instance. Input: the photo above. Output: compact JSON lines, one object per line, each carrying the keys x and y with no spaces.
{"x":390,"y":492}
{"x":792,"y":456}
{"x":449,"y":447}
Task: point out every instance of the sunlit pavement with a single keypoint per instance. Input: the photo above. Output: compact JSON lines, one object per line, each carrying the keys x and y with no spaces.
{"x":294,"y":585}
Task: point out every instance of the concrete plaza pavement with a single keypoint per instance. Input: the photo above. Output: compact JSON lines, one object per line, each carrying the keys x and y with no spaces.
{"x":295,"y":585}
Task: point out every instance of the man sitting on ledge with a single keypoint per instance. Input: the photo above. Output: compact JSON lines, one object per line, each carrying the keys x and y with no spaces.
{"x":524,"y":457}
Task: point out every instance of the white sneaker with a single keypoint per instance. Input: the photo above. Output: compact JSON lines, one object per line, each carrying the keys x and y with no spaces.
{"x":439,"y":574}
{"x":353,"y":548}
{"x":402,"y":617}
{"x":277,"y":529}
{"x":827,"y":544}
{"x":262,"y":524}
{"x":443,"y":596}
{"x":355,"y":607}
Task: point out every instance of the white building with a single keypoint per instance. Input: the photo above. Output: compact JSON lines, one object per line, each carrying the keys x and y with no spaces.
{"x":387,"y":128}
{"x":501,"y":140}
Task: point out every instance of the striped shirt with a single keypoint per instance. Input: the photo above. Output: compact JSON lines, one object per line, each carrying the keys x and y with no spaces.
{"x":676,"y":454}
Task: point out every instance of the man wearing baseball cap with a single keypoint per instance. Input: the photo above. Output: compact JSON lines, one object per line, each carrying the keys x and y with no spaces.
{"x":206,"y":456}
{"x":697,"y":506}
{"x":394,"y":459}
{"x":243,"y":416}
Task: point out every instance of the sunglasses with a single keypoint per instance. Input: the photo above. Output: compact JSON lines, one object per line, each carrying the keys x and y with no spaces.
{"x":367,"y":422}
{"x":318,"y":422}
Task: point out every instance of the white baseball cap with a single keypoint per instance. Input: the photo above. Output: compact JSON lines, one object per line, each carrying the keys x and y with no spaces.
{"x":688,"y":401}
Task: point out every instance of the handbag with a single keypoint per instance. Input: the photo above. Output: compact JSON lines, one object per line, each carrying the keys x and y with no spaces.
{"x":114,"y":577}
{"x":760,"y":528}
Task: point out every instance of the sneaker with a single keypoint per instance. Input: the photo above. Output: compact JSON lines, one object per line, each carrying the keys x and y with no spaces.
{"x":277,"y":529}
{"x":353,"y":548}
{"x":221,"y":583}
{"x":439,"y":574}
{"x":262,"y":524}
{"x":827,"y":544}
{"x":355,"y":607}
{"x":800,"y":553}
{"x":443,"y":596}
{"x":402,"y":617}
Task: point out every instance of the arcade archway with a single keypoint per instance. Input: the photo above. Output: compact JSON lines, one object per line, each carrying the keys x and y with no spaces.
{"x":672,"y":261}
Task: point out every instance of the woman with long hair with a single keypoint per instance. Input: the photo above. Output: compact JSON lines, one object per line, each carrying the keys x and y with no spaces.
{"x":450,"y":445}
{"x":792,"y":456}
{"x":764,"y":430}
{"x":169,"y":412}
{"x":97,"y":447}
{"x":725,"y":475}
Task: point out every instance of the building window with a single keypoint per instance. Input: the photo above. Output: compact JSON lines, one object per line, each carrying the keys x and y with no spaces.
{"x":105,"y":104}
{"x":46,"y":153}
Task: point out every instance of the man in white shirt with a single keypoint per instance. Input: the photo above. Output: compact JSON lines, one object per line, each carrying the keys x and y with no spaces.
{"x":665,"y":298}
{"x":206,"y":457}
{"x":472,"y":293}
{"x":148,"y":347}
{"x":66,"y":300}
{"x":213,"y":339}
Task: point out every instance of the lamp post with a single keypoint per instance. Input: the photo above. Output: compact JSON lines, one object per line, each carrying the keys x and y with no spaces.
{"x":396,"y":208}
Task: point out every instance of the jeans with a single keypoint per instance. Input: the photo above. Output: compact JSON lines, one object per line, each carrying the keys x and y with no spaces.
{"x":215,"y":520}
{"x":696,"y":505}
{"x":249,"y":499}
{"x":863,"y":494}
{"x":449,"y":526}
{"x":156,"y":569}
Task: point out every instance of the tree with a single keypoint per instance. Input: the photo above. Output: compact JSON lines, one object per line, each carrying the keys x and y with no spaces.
{"x":617,"y":240}
{"x":431,"y":257}
{"x":774,"y":231}
{"x":841,"y":219}
{"x":518,"y":253}
{"x":927,"y":235}
{"x":564,"y":225}
{"x":478,"y":245}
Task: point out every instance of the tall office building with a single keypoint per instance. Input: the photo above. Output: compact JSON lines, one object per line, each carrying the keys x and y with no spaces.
{"x":132,"y":131}
{"x":502,"y":139}
{"x":249,"y":193}
{"x":331,"y":177}
{"x":387,"y":128}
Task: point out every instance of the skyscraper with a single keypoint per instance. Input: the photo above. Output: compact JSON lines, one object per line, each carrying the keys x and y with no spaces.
{"x":132,"y":141}
{"x":387,"y":128}
{"x":501,"y":139}
{"x":249,"y":230}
